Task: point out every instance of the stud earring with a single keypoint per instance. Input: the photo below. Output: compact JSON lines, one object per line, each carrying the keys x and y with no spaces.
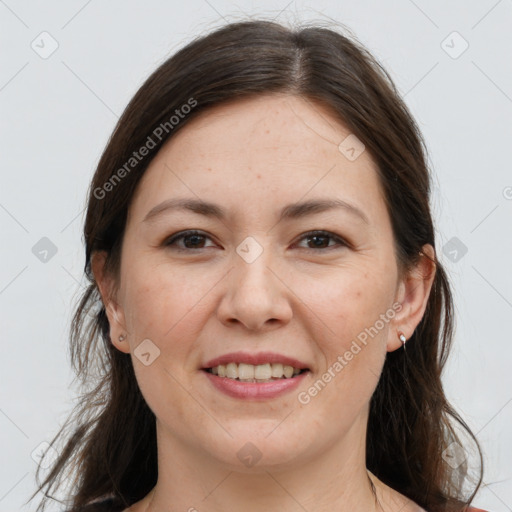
{"x":402,"y":338}
{"x":122,"y":337}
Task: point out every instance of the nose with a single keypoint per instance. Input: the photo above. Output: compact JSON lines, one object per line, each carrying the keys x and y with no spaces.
{"x":255,"y":295}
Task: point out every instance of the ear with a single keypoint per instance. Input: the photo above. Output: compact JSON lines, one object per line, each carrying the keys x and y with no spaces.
{"x":115,"y":313}
{"x":412,"y":293}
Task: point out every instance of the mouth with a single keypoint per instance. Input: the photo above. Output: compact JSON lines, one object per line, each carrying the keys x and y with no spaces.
{"x":261,"y":373}
{"x":260,"y":382}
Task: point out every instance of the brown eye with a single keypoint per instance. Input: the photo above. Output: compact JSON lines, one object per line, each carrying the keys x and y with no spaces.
{"x":320,"y":240}
{"x":195,"y":240}
{"x":191,"y":240}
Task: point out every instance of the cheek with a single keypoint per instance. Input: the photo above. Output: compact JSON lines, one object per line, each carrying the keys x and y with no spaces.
{"x":160,"y":300}
{"x":349,"y":302}
{"x":164,"y":306}
{"x":355,"y":310}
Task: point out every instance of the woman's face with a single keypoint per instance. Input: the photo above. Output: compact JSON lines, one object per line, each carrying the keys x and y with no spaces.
{"x":253,"y":281}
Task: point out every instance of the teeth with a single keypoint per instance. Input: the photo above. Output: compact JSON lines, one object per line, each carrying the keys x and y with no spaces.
{"x":262,"y":371}
{"x":250,"y":373}
{"x":246,"y":371}
{"x":288,"y":371}
{"x":277,"y":370}
{"x":232,"y":370}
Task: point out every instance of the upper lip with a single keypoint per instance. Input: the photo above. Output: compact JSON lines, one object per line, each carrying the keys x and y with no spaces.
{"x":255,"y":359}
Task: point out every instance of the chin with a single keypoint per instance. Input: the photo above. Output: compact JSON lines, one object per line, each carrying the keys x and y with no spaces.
{"x":252,"y":452}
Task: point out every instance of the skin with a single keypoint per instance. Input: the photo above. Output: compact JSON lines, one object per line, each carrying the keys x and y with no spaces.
{"x":253,"y":157}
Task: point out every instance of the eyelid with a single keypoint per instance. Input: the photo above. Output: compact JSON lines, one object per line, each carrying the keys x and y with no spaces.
{"x":180,"y":235}
{"x":323,"y":232}
{"x":170,"y":241}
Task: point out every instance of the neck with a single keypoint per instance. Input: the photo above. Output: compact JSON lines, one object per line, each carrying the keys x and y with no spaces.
{"x":334,"y":480}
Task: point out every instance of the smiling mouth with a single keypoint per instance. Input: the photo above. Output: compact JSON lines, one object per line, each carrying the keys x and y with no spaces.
{"x":260,"y":373}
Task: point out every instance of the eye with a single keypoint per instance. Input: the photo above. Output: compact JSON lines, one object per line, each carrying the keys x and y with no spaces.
{"x":319,"y":239}
{"x":192,"y":239}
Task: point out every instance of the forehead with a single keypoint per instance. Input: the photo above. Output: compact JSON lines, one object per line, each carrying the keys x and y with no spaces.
{"x":276,"y":122}
{"x":251,"y":154}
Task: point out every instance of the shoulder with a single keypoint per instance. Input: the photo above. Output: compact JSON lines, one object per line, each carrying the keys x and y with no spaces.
{"x":470,"y":509}
{"x":105,"y":505}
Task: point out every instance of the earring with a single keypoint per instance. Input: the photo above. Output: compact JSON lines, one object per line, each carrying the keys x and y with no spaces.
{"x":122,"y":337}
{"x":402,"y":338}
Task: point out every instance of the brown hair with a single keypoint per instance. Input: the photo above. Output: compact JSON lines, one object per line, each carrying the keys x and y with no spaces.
{"x":111,"y":447}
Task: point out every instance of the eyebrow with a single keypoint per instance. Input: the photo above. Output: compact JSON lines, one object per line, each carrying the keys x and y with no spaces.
{"x":291,"y":211}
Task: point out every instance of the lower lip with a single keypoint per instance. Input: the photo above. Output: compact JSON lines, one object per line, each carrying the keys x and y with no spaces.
{"x":255,"y":390}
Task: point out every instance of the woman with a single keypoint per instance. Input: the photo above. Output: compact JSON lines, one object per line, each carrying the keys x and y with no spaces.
{"x":266,"y":321}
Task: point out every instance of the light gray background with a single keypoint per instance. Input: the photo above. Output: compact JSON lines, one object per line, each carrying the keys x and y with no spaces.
{"x":57,"y":113}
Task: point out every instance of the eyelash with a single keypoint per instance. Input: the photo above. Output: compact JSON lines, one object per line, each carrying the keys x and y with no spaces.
{"x":185,"y":234}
